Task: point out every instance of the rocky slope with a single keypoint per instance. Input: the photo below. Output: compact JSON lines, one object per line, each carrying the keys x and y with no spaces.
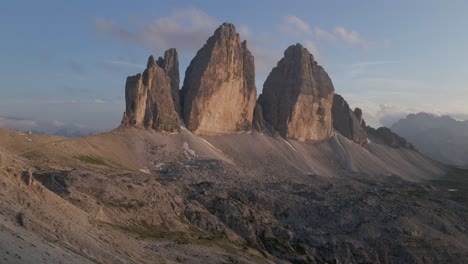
{"x":152,"y":97}
{"x":297,"y":97}
{"x":218,"y":95}
{"x":348,"y":122}
{"x":138,"y":196}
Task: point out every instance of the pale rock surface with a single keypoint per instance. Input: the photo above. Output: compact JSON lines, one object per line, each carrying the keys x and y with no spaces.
{"x":151,"y":100}
{"x":298,"y":97}
{"x":219,"y":87}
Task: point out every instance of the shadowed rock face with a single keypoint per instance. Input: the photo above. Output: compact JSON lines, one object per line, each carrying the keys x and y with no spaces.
{"x":298,"y":97}
{"x":389,"y":138}
{"x":257,"y":123}
{"x":151,"y":100}
{"x":347,"y":122}
{"x":218,"y":95}
{"x":170,"y":64}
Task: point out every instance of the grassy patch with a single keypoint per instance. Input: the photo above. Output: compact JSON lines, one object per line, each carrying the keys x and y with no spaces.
{"x":92,"y":160}
{"x":33,"y":155}
{"x":179,"y":237}
{"x":156,"y":234}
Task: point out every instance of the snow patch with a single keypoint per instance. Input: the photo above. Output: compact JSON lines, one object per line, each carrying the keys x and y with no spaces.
{"x":188,"y":152}
{"x":145,"y":170}
{"x":211,"y":145}
{"x":289,"y":144}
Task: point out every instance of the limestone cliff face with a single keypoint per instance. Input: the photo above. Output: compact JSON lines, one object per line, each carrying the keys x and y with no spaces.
{"x":170,"y":64}
{"x":297,"y":97}
{"x":150,"y":97}
{"x":218,"y":95}
{"x":347,"y":121}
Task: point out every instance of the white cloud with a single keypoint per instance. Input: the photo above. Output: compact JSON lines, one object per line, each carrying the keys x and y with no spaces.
{"x":99,"y":101}
{"x":372,"y":63}
{"x":323,"y":34}
{"x":186,"y":30}
{"x":353,"y":38}
{"x":112,"y":65}
{"x":294,"y":26}
{"x":312,"y":48}
{"x":244,"y":32}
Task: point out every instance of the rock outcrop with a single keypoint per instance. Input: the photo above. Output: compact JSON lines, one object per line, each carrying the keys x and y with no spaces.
{"x":152,"y":99}
{"x":170,"y":64}
{"x":347,"y":121}
{"x":298,"y":96}
{"x":388,"y":137}
{"x":218,"y":95}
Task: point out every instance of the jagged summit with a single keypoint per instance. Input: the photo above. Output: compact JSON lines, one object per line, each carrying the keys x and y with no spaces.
{"x":297,"y":97}
{"x":218,"y":95}
{"x":347,"y":121}
{"x":152,"y":97}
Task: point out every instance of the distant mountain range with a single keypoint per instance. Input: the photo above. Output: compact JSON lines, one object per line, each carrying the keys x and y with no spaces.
{"x":440,"y":137}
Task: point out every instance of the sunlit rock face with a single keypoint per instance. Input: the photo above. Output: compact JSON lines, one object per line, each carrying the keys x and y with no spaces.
{"x":152,"y":97}
{"x":218,"y":95}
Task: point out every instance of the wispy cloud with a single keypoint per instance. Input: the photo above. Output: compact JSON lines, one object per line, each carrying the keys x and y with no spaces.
{"x":297,"y":27}
{"x":373,"y":63}
{"x":353,"y":38}
{"x":112,"y":65}
{"x":310,"y":45}
{"x":185,"y":30}
{"x":294,"y":26}
{"x":323,"y":34}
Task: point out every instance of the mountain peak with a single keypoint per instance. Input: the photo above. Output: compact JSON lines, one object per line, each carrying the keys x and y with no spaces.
{"x":297,"y":97}
{"x":219,"y":87}
{"x":149,"y":97}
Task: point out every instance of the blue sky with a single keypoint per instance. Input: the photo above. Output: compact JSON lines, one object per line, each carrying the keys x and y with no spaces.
{"x":66,"y":63}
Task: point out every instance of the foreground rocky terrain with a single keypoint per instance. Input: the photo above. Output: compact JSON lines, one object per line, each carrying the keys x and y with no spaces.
{"x":137,"y":196}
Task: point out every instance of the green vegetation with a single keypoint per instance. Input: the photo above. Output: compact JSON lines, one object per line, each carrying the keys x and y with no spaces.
{"x":92,"y":160}
{"x":33,"y":155}
{"x":143,"y":232}
{"x":192,"y":235}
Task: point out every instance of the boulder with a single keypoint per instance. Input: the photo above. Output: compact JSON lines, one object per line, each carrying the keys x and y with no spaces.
{"x":218,"y":95}
{"x":298,"y":97}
